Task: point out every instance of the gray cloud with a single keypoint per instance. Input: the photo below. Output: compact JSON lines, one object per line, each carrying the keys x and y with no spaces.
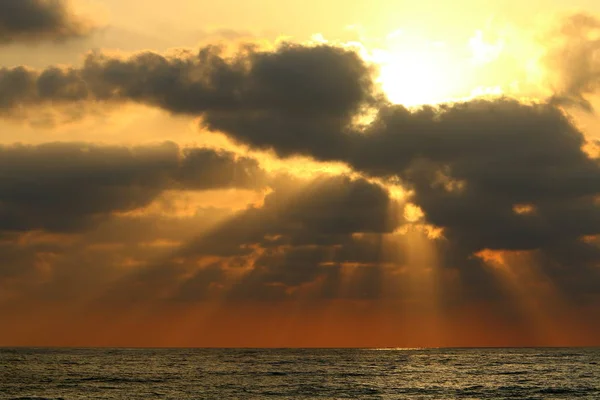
{"x":70,"y":186}
{"x":297,"y":236}
{"x":322,"y":213}
{"x":471,"y":164}
{"x":494,"y":174}
{"x":295,"y":99}
{"x":39,"y":20}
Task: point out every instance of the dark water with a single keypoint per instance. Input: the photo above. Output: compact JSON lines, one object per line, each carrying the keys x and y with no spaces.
{"x":299,"y":374}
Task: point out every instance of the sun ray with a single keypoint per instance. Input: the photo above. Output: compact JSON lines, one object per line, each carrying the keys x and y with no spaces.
{"x":421,"y":276}
{"x":545,"y":310}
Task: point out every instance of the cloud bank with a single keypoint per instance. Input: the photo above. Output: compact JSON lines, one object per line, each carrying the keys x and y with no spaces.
{"x":64,"y":187}
{"x":39,"y":20}
{"x":498,"y":179}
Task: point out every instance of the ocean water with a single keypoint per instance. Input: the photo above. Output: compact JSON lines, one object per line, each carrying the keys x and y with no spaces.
{"x":37,"y":373}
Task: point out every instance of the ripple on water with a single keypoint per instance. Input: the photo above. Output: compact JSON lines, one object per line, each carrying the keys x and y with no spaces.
{"x":299,"y":374}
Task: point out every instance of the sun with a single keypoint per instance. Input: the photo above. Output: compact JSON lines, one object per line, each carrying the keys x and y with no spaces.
{"x":413,"y":79}
{"x":415,"y":72}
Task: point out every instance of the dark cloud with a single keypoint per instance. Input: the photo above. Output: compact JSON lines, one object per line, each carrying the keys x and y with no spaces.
{"x":323,"y":212}
{"x":294,"y":99}
{"x":202,"y":169}
{"x":69,"y":186}
{"x":293,"y":80}
{"x":498,"y":175}
{"x":317,"y":272}
{"x":300,"y":234}
{"x":39,"y":20}
{"x":493,"y":174}
{"x":573,"y":266}
{"x":297,"y":237}
{"x":473,"y":164}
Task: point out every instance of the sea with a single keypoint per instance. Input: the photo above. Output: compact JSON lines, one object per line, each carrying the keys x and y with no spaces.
{"x":100,"y":373}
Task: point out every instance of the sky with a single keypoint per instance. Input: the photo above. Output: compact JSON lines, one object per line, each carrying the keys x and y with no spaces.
{"x":299,"y":174}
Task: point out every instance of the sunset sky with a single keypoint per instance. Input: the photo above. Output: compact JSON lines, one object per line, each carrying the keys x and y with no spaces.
{"x":299,"y":173}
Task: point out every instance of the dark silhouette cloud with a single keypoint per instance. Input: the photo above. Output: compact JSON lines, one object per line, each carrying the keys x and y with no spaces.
{"x":69,"y":186}
{"x":496,"y":175}
{"x":471,"y":165}
{"x":292,"y":80}
{"x":298,"y":236}
{"x":39,"y":20}
{"x":324,"y":212}
{"x":294,"y":99}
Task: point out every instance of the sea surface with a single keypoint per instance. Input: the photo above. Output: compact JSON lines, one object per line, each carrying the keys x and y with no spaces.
{"x":40,"y":373}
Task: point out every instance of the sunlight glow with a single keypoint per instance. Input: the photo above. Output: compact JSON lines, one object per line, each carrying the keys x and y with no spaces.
{"x":413,"y":76}
{"x":423,"y":281}
{"x":484,"y":52}
{"x":413,"y":213}
{"x":415,"y":71}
